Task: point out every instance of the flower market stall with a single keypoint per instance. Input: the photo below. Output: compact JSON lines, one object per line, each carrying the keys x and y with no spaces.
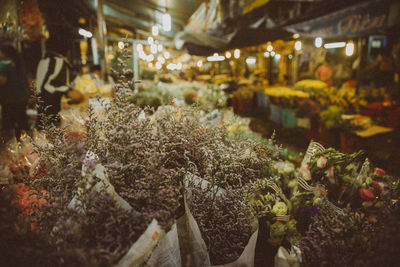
{"x":176,"y":154}
{"x":187,"y":186}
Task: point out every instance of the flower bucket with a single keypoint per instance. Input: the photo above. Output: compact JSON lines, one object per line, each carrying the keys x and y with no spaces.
{"x":276,"y":113}
{"x":289,"y":119}
{"x":262,"y":100}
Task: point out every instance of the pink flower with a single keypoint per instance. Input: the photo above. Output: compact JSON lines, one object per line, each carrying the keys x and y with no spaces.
{"x":305,"y":172}
{"x":321,"y":162}
{"x":379,"y":172}
{"x":330,"y":173}
{"x":366,"y":194}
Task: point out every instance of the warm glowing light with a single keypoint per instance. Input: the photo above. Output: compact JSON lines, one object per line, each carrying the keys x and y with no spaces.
{"x":349,"y":49}
{"x":272,"y":53}
{"x":158,"y":65}
{"x":160,"y":48}
{"x":199,"y":63}
{"x":150,"y":58}
{"x":161,"y":59}
{"x":269,"y":48}
{"x":171,"y":66}
{"x":266,"y":54}
{"x":278,"y":56}
{"x":296,"y":35}
{"x":154,"y":30}
{"x":121,"y":45}
{"x":166,"y":19}
{"x":251,"y":60}
{"x":318,"y":42}
{"x":142,"y":55}
{"x":85,"y":33}
{"x":236,"y":53}
{"x":166,"y":55}
{"x":228,"y":54}
{"x":215,"y":57}
{"x":297,"y":45}
{"x":139,"y":47}
{"x":290,"y":56}
{"x":150,"y":65}
{"x":335,"y":45}
{"x":153,"y":48}
{"x":150,"y":40}
{"x":179,"y":66}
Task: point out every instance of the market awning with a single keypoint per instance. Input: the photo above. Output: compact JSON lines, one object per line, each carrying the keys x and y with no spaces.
{"x":215,"y":24}
{"x":363,"y":18}
{"x":141,"y":15}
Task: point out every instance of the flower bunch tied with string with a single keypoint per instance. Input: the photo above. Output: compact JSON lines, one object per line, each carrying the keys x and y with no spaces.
{"x":345,"y":182}
{"x":328,"y":173}
{"x":375,"y":191}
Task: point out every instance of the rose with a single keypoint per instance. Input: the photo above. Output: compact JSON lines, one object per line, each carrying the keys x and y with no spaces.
{"x":379,"y":172}
{"x":366,"y":194}
{"x":330,"y":173}
{"x":321,"y":162}
{"x":305,"y":172}
{"x":279,"y":208}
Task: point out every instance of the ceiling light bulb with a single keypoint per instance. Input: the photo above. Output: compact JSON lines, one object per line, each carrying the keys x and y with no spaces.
{"x":318,"y":42}
{"x":297,"y":45}
{"x":154,"y":30}
{"x":349,"y":49}
{"x":166,"y":19}
{"x":121,"y":45}
{"x":153,"y":48}
{"x":236,"y":53}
